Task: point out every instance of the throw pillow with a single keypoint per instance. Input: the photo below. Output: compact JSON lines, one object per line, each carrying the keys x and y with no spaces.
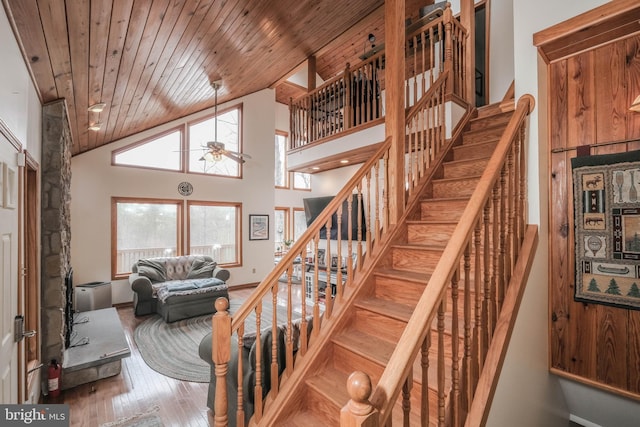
{"x":201,"y":269}
{"x":154,"y":270}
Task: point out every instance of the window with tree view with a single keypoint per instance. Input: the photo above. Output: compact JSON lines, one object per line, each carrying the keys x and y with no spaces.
{"x":226,"y":131}
{"x":148,"y":228}
{"x":144,"y":229}
{"x":301,"y":181}
{"x":214,"y":230}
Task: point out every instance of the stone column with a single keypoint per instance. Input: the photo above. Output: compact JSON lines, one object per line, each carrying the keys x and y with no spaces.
{"x":56,"y":226}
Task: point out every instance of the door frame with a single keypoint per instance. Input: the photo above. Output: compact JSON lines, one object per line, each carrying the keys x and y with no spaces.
{"x":29,"y":351}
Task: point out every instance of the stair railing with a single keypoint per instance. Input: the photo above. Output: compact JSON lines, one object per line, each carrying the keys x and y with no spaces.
{"x":314,"y":259}
{"x":425,"y":132}
{"x":326,"y":259}
{"x":471,"y":278}
{"x":354,"y":98}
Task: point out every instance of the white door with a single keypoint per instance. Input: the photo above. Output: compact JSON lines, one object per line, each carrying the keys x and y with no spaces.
{"x":8,"y":272}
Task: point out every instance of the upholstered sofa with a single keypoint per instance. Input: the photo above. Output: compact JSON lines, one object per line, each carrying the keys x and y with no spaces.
{"x":177,"y":287}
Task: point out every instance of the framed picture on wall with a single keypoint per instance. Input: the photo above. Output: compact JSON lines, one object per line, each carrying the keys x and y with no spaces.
{"x":258,"y":227}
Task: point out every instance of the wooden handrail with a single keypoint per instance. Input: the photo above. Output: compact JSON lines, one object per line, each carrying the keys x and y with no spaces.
{"x":415,"y":333}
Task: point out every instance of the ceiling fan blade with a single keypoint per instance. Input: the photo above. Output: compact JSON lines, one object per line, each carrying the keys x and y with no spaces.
{"x":233,"y":156}
{"x":235,"y":153}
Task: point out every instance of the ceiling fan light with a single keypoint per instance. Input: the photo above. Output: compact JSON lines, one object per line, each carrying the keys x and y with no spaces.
{"x":95,"y":126}
{"x":97,"y":108}
{"x":207,"y":157}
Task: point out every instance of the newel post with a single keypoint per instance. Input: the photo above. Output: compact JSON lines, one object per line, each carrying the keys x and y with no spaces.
{"x":221,"y":354}
{"x":359,"y":412}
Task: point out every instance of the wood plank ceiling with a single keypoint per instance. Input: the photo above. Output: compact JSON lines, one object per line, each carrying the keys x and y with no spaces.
{"x":152,"y":61}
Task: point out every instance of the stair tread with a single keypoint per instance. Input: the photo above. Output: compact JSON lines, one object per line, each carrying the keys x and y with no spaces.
{"x":332,"y":384}
{"x":460,"y":161}
{"x":409,"y":276}
{"x":457,"y":178}
{"x":418,"y":246}
{"x":303,"y":418}
{"x":365,"y":345}
{"x":445,"y":199}
{"x":391,"y":309}
{"x":491,"y":127}
{"x":432,"y":221}
{"x":467,"y":145}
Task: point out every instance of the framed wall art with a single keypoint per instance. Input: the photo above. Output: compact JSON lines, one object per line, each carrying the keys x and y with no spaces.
{"x":607,"y":229}
{"x":258,"y":227}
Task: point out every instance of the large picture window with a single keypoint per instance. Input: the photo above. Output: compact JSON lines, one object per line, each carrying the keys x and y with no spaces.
{"x":144,"y":229}
{"x":214,"y":230}
{"x":148,"y":228}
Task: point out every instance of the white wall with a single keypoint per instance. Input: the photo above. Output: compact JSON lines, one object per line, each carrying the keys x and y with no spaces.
{"x":20,"y":112}
{"x":20,"y":107}
{"x":501,"y":67}
{"x":95,"y":181}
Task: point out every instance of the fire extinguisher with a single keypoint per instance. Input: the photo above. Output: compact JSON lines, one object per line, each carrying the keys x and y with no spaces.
{"x":54,"y":378}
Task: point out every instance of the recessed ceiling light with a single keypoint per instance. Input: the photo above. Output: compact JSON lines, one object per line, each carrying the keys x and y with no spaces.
{"x":315,"y":168}
{"x":344,"y":161}
{"x":95,"y":126}
{"x":97,"y":108}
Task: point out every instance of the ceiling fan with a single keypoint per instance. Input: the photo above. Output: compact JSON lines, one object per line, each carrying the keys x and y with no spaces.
{"x":215,"y":149}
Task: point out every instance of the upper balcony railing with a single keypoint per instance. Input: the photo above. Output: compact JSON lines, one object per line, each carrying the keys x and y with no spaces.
{"x":355,"y":98}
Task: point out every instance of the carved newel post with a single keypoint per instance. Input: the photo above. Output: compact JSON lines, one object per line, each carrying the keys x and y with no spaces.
{"x":359,"y":412}
{"x":221,"y":354}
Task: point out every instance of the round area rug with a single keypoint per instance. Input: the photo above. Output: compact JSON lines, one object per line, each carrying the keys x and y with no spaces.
{"x":172,"y":348}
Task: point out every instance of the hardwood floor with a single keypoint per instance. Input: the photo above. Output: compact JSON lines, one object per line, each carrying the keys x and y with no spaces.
{"x":138,"y":388}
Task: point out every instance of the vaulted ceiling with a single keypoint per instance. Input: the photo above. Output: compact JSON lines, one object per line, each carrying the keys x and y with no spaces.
{"x":152,"y":61}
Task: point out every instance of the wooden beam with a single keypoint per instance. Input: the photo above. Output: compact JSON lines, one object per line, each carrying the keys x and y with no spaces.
{"x":394,"y":101}
{"x":468,"y":21}
{"x":311,"y":73}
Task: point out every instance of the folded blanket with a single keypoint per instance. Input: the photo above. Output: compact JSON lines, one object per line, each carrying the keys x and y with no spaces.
{"x":212,"y":281}
{"x":180,"y":286}
{"x":187,"y":287}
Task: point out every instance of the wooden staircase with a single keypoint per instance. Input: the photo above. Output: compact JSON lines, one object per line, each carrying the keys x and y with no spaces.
{"x":367,"y":331}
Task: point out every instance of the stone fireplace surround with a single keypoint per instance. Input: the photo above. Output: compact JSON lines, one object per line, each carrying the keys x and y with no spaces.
{"x":55,"y":227}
